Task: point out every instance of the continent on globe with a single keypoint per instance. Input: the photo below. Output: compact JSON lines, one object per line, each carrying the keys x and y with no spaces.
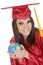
{"x":15,"y":46}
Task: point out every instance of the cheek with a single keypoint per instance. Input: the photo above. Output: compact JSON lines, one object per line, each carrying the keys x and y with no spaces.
{"x":30,"y":25}
{"x":20,"y":28}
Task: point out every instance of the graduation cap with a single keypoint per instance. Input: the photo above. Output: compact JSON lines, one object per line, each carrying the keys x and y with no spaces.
{"x":21,"y":12}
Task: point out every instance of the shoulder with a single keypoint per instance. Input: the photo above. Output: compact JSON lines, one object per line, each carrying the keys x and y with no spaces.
{"x":12,"y":39}
{"x":37,"y":32}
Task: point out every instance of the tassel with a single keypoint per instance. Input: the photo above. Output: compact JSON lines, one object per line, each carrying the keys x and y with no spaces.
{"x":40,"y":30}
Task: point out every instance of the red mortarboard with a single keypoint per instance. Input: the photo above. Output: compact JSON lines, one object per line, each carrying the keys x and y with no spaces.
{"x":21,"y":12}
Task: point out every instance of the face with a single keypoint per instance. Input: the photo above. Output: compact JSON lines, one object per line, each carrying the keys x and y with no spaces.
{"x":24,"y":27}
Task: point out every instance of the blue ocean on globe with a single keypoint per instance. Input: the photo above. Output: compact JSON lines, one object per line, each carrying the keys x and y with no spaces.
{"x":14,"y":47}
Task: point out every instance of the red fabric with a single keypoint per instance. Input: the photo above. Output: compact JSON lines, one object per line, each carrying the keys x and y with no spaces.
{"x":12,"y":40}
{"x":35,"y":52}
{"x":21,"y":12}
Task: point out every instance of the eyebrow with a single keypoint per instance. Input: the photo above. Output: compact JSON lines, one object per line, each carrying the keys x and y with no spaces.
{"x":20,"y":21}
{"x":28,"y":20}
{"x":24,"y":21}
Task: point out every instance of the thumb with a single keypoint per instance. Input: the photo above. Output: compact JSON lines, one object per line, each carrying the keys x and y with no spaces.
{"x":23,"y":47}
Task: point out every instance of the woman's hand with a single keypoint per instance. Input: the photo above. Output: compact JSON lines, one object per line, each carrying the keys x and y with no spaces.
{"x":26,"y":54}
{"x":21,"y":53}
{"x":12,"y":55}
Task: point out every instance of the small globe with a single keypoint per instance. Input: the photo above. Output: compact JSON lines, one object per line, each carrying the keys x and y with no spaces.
{"x":14,"y":47}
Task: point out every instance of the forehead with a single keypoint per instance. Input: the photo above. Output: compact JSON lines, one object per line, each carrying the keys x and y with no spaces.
{"x":21,"y":20}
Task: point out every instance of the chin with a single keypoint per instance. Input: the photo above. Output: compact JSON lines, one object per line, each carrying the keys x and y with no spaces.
{"x":26,"y":34}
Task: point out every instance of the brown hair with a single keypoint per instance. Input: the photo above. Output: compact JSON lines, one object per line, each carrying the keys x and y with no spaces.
{"x":19,"y":38}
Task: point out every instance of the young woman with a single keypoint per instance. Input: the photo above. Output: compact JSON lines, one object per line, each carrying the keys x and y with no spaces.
{"x":28,"y":36}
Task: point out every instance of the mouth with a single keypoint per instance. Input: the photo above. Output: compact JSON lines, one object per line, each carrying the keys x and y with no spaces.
{"x":26,"y":31}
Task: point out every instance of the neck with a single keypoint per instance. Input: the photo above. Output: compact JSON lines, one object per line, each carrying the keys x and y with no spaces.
{"x":25,"y":37}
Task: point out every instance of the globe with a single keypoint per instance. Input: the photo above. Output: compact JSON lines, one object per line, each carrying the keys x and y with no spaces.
{"x":14,"y":47}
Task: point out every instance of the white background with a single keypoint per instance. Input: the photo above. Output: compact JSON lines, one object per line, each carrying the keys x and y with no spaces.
{"x":6,"y":24}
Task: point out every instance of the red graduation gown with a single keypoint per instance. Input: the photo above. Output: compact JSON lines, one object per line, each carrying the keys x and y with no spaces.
{"x":35,"y":52}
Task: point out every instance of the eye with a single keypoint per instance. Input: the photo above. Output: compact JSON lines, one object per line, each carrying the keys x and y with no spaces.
{"x":20,"y":23}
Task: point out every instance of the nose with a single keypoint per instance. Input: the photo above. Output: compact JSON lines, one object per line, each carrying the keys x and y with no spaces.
{"x":25,"y":26}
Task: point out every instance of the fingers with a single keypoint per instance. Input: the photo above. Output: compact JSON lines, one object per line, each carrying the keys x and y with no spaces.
{"x":19,"y":53}
{"x":12,"y":55}
{"x":23,"y":47}
{"x":26,"y":54}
